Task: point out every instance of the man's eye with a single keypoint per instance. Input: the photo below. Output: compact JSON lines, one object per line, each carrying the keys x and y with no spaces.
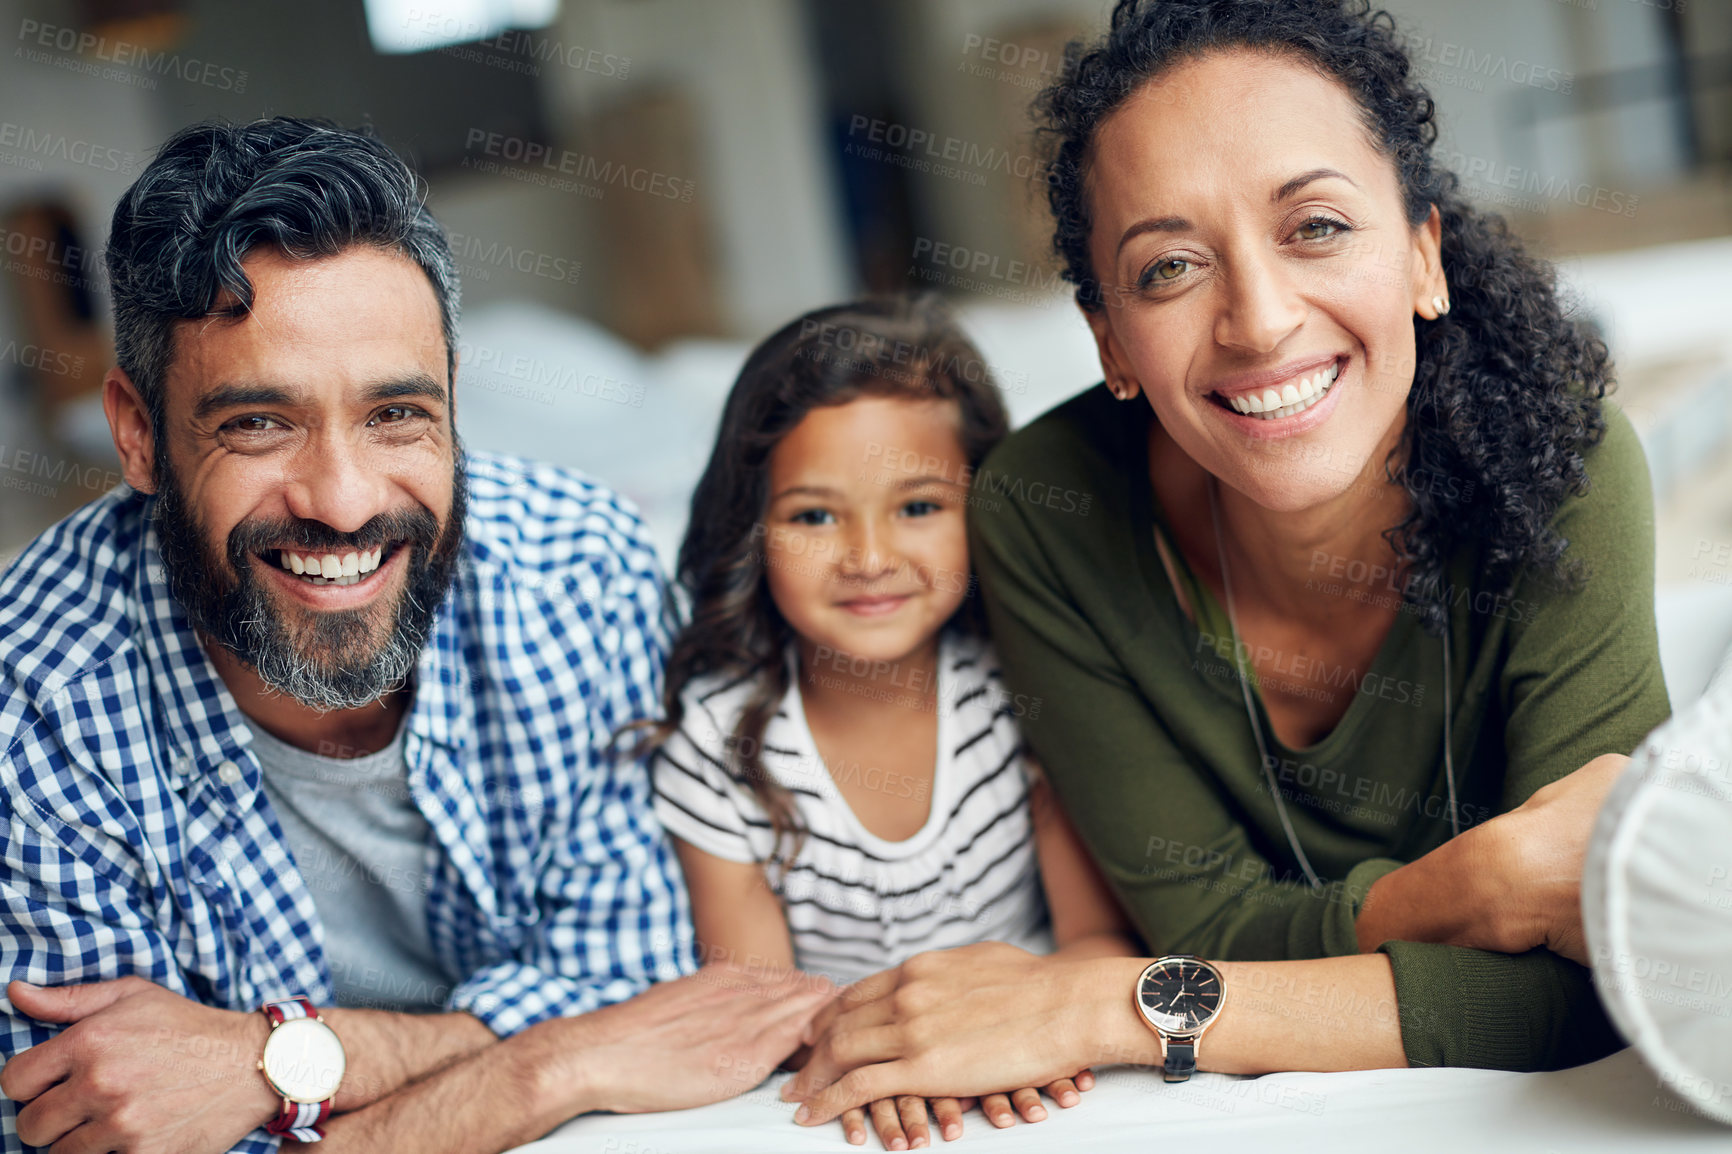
{"x":395,"y":414}
{"x":253,"y":423}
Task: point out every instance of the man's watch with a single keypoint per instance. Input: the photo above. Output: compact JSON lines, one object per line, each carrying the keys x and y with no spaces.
{"x":303,"y":1061}
{"x":1179,"y":996}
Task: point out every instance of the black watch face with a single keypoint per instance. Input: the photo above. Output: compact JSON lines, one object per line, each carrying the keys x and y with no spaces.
{"x":1180,"y":996}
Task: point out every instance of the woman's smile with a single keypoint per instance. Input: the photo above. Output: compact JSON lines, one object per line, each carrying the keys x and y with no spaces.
{"x":1299,"y":404}
{"x":1281,"y":393}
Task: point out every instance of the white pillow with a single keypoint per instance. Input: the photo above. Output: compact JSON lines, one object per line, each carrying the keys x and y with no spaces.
{"x":1657,"y":902}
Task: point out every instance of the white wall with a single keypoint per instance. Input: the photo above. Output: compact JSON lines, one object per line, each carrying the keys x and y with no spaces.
{"x":747,"y":66}
{"x":81,"y":139}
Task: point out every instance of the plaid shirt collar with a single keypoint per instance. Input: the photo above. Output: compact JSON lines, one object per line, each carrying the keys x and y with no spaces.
{"x":188,"y":684}
{"x":203,"y":728}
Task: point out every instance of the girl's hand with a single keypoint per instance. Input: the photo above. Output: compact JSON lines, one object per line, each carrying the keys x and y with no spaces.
{"x":1026,"y":1102}
{"x":902,"y":1122}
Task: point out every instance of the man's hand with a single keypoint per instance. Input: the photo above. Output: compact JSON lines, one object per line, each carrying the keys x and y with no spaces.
{"x":703,"y":1038}
{"x":700,"y":1039}
{"x":138,"y":1069}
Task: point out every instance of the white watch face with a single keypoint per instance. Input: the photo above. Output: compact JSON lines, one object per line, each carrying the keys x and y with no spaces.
{"x":304,"y":1060}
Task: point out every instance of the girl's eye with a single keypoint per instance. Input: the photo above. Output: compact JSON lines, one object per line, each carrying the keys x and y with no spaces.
{"x":1313,"y":228}
{"x":922,"y":508}
{"x":812,"y":517}
{"x":1164,"y":270}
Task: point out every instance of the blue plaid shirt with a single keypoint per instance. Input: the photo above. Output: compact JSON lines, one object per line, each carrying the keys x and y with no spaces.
{"x":135,"y":837}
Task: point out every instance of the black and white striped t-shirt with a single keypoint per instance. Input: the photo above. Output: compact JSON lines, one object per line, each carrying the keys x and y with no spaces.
{"x":855,"y":903}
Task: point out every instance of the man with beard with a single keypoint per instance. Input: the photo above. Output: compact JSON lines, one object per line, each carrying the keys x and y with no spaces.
{"x":317,"y":715}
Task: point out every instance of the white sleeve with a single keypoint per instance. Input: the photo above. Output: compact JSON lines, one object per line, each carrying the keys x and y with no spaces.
{"x":697,"y":800}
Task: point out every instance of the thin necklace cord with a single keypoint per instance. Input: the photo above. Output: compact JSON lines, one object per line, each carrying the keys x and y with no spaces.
{"x":1257,"y":728}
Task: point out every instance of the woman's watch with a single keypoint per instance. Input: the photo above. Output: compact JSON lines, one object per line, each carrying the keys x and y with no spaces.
{"x":303,"y":1061}
{"x":1179,"y":996}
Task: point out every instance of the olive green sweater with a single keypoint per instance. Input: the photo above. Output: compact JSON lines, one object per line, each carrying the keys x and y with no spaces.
{"x":1137,"y":714}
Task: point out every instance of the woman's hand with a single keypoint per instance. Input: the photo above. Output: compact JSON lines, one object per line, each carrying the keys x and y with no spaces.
{"x":962,"y":1023}
{"x":902,"y":1122}
{"x":1545,"y":845}
{"x":1512,"y":884}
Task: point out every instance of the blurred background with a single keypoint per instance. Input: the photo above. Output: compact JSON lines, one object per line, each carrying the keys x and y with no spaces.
{"x":639,"y":190}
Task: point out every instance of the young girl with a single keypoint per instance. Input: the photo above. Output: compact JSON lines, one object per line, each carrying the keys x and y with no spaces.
{"x":840,"y":768}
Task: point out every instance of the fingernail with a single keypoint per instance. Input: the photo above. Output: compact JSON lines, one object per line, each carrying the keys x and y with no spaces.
{"x":1037,"y":1113}
{"x":898,"y":1144}
{"x":1067,"y":1099}
{"x":27,"y":985}
{"x":802,"y":1113}
{"x":952,"y":1132}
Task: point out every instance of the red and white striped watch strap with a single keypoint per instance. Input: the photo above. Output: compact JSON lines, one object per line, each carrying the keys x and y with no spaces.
{"x":288,"y":1008}
{"x":302,"y":1121}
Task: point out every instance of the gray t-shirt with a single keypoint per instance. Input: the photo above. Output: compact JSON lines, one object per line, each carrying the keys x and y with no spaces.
{"x":361,"y":845}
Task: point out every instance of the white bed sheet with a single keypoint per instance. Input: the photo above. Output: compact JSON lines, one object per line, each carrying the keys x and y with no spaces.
{"x":1614,"y":1105}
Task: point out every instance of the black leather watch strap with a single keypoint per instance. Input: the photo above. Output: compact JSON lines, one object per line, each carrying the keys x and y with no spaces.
{"x":1181,"y":1059}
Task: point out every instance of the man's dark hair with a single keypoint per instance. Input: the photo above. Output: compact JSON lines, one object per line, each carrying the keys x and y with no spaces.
{"x":217,"y":191}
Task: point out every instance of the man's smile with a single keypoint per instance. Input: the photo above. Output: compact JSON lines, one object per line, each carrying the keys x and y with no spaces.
{"x":318,"y":568}
{"x":360,"y":574}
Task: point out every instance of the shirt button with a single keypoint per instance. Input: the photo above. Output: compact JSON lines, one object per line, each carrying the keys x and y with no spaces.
{"x":228,"y":773}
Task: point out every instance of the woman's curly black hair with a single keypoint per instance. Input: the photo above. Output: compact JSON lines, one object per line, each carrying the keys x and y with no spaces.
{"x":1507,"y":390}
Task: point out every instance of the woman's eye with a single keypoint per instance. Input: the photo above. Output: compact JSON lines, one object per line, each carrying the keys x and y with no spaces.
{"x":1164,"y":270}
{"x":812,"y":517}
{"x":922,"y":508}
{"x":1319,"y":228}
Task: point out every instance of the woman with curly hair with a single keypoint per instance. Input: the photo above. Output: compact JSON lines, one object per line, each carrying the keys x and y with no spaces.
{"x":1358,"y":627}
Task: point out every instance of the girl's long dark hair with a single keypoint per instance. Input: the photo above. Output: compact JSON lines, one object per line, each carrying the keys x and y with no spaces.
{"x":883,"y":346}
{"x":1507,"y":390}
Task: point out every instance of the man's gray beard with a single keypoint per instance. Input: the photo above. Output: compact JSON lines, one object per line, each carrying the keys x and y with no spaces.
{"x":242,"y":619}
{"x":325,"y":685}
